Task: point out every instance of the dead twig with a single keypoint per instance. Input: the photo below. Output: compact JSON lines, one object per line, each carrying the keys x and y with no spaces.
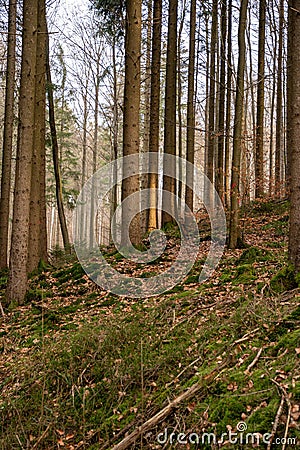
{"x":287,"y":400}
{"x":276,"y":422}
{"x":182,"y":372}
{"x":2,"y":310}
{"x":245,"y":337}
{"x":41,"y":438}
{"x":251,"y":365}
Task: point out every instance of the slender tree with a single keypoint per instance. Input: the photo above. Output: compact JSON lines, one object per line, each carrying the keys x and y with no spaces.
{"x":55,"y":153}
{"x":8,"y":133}
{"x":212,"y":93}
{"x":169,"y":182}
{"x":237,"y":132}
{"x":131,"y":135}
{"x":279,"y":99}
{"x":259,"y":141}
{"x":17,"y":281}
{"x":37,"y":251}
{"x":293,"y":123}
{"x":190,"y":141}
{"x":228,"y":105}
{"x":221,"y":115}
{"x":154,"y":111}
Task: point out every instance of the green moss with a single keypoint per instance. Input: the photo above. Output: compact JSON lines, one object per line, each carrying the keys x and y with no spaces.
{"x":283,"y":280}
{"x":253,"y":254}
{"x":245,"y":274}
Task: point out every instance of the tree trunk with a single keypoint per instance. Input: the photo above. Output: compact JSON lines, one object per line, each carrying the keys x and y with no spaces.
{"x":259,"y":152}
{"x":37,"y":194}
{"x":190,"y":140}
{"x":154,"y":112}
{"x":17,"y":281}
{"x":221,"y":131}
{"x":146,"y":125}
{"x":95,"y":149}
{"x":131,"y":135}
{"x":169,"y":183}
{"x":179,"y":107}
{"x":55,"y":153}
{"x":115,"y":130}
{"x":272,"y":21}
{"x":8,"y":134}
{"x":212,"y":94}
{"x":228,"y":106}
{"x":293,"y":122}
{"x":279,"y":127}
{"x":237,"y":132}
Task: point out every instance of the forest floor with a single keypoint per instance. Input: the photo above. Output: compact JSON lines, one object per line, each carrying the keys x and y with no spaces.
{"x":84,"y":369}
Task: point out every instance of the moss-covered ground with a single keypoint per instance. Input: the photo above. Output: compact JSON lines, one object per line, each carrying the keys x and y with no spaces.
{"x":80,"y":368}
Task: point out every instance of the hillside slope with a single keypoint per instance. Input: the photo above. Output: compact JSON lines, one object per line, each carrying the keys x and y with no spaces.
{"x":83,"y":369}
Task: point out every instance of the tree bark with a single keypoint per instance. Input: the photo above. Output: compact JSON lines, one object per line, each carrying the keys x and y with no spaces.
{"x":17,"y":281}
{"x":279,"y":115}
{"x":221,"y":118}
{"x":8,"y":134}
{"x":190,"y":140}
{"x":154,"y":112}
{"x":259,"y":152}
{"x":169,"y":183}
{"x":228,"y":105}
{"x":237,"y":132}
{"x":212,"y":94}
{"x":36,"y":249}
{"x":293,"y":123}
{"x":131,"y":126}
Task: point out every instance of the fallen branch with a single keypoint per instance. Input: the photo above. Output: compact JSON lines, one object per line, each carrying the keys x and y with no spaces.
{"x":2,"y":310}
{"x":247,"y":371}
{"x":41,"y":438}
{"x":163,"y":413}
{"x":287,"y":400}
{"x":245,"y":337}
{"x":182,"y":372}
{"x":276,"y":422}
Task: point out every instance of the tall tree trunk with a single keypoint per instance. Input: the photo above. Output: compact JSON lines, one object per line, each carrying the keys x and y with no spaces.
{"x":221,"y":131}
{"x":228,"y":105}
{"x":272,"y":21}
{"x":36,"y":249}
{"x":114,"y":192}
{"x":237,"y":132}
{"x":17,"y":281}
{"x":154,"y":112}
{"x":55,"y":153}
{"x":293,"y":122}
{"x":146,"y":125}
{"x":259,"y":152}
{"x":212,"y":94}
{"x":169,"y":182}
{"x":279,"y":119}
{"x":190,"y":140}
{"x":84,"y":131}
{"x":8,"y":133}
{"x":95,"y":149}
{"x":179,"y":106}
{"x":131,"y":135}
